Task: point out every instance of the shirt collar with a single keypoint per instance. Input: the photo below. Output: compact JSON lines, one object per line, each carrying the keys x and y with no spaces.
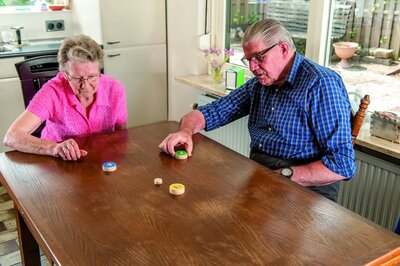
{"x":295,"y":67}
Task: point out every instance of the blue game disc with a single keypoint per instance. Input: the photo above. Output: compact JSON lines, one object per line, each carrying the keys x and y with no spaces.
{"x":109,"y":166}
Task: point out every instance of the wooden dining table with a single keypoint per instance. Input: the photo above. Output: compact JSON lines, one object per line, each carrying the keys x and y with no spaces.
{"x":234,"y":211}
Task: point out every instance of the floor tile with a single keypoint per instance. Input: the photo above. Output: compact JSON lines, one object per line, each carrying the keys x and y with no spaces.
{"x":8,"y":247}
{"x":3,"y":227}
{"x":10,"y":224}
{"x":11,"y":258}
{"x":8,"y":235}
{"x":6,"y":215}
{"x":5,"y":206}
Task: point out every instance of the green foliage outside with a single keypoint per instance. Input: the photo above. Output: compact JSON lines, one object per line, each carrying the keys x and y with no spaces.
{"x":237,"y":18}
{"x":353,"y":33}
{"x":253,"y":17}
{"x":19,"y":2}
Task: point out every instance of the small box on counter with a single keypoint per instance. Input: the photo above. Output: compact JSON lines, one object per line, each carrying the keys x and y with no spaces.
{"x":234,"y":78}
{"x":385,"y":125}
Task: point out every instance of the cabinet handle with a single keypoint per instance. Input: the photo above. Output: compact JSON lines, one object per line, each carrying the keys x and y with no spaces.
{"x":113,"y":42}
{"x":113,"y":55}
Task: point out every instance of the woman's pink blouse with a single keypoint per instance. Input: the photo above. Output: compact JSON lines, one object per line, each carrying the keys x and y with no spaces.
{"x":65,"y":118}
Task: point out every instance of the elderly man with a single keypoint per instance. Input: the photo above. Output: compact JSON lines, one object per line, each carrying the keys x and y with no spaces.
{"x":299,"y":113}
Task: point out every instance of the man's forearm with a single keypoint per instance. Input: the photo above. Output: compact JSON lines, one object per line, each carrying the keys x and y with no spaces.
{"x":192,"y":122}
{"x":314,"y":174}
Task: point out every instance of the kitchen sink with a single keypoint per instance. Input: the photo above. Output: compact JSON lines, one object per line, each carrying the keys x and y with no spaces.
{"x":7,"y":48}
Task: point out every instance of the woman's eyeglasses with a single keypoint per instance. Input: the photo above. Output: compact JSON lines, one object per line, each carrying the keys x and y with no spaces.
{"x":259,"y":57}
{"x":91,"y":78}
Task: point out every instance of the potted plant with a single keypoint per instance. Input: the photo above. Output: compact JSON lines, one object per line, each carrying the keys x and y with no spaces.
{"x":217,"y":58}
{"x":345,"y":50}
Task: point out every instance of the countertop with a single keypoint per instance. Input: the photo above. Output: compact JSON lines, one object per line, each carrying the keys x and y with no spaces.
{"x":34,"y":48}
{"x":364,"y":138}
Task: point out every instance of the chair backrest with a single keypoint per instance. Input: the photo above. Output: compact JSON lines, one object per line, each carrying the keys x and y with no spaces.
{"x":33,"y":73}
{"x":358,"y":118}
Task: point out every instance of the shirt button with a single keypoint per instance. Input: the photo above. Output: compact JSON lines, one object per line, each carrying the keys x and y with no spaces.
{"x":276,"y":90}
{"x":272,"y":108}
{"x":270,"y":128}
{"x":260,"y":145}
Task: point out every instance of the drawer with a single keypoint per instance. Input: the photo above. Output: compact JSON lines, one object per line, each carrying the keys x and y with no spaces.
{"x":7,"y":67}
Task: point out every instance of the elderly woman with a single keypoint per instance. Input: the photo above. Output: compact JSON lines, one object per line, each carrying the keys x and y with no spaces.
{"x":78,"y":102}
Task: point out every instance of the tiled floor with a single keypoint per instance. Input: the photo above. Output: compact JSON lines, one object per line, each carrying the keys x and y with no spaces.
{"x":9,"y":244}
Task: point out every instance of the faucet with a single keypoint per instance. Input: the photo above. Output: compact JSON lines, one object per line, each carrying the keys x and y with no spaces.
{"x":18,"y":32}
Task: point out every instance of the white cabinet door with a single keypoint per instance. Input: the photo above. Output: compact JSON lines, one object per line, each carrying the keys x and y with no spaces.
{"x":133,"y":22}
{"x":143,"y":72}
{"x":7,"y":67}
{"x":11,"y":105}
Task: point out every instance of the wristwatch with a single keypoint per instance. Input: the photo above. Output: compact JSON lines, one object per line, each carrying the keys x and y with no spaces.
{"x":287,"y":172}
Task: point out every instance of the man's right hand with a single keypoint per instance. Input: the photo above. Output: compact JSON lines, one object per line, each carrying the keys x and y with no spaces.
{"x":191,"y":123}
{"x":177,"y":138}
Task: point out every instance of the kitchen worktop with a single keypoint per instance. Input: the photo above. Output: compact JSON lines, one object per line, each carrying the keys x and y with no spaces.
{"x":364,"y":138}
{"x":34,"y":48}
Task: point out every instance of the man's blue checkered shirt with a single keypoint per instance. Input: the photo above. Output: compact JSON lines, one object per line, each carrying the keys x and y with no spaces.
{"x":308,"y":117}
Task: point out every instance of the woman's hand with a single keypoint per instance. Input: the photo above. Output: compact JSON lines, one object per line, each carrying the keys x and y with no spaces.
{"x":69,"y":150}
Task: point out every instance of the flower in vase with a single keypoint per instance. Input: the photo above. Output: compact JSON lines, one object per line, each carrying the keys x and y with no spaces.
{"x":217,"y":58}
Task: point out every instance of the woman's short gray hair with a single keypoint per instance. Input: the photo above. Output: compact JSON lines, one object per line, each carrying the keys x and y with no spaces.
{"x":270,"y":31}
{"x":81,"y":48}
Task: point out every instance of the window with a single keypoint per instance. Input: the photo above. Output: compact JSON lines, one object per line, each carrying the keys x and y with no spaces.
{"x":373,"y":68}
{"x":373,"y":26}
{"x":17,"y":2}
{"x":242,"y":13}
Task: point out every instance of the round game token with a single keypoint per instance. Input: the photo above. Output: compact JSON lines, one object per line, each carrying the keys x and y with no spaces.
{"x":157,"y":181}
{"x":181,"y":154}
{"x":176,"y":189}
{"x":109,"y":166}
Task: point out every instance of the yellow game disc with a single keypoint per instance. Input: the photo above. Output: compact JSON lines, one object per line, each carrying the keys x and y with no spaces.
{"x":176,"y":189}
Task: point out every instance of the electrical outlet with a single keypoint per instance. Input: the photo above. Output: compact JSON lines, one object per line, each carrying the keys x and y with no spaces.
{"x":55,"y":25}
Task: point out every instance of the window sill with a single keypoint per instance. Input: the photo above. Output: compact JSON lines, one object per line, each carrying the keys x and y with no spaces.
{"x":25,"y":10}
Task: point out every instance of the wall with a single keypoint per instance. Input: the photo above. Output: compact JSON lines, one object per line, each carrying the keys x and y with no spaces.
{"x":84,"y":23}
{"x":185,"y":25}
{"x":34,"y":24}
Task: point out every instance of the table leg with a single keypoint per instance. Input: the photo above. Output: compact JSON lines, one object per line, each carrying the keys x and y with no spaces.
{"x":29,"y":247}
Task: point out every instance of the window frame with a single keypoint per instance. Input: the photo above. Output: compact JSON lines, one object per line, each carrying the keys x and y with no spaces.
{"x":318,"y":34}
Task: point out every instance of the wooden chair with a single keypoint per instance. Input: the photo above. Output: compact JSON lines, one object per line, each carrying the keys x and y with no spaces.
{"x":358,"y":118}
{"x":33,"y":73}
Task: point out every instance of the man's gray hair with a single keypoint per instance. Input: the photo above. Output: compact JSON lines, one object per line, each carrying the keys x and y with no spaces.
{"x":270,"y":31}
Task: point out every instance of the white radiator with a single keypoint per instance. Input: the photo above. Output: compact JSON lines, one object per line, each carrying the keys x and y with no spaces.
{"x":373,"y":193}
{"x":235,"y":135}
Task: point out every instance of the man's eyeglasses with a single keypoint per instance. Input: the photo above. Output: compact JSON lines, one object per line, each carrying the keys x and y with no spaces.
{"x":259,"y":57}
{"x":91,"y":78}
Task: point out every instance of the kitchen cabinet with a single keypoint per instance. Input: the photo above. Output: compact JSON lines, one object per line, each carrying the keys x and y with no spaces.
{"x":133,"y":35}
{"x":134,"y":40}
{"x":132,"y":23}
{"x":11,"y":100}
{"x":142,"y":70}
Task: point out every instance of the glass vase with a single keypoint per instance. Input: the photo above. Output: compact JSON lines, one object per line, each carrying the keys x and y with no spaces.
{"x":217,"y":75}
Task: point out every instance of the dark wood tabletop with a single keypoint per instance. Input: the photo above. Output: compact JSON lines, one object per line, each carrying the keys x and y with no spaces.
{"x":234,"y":211}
